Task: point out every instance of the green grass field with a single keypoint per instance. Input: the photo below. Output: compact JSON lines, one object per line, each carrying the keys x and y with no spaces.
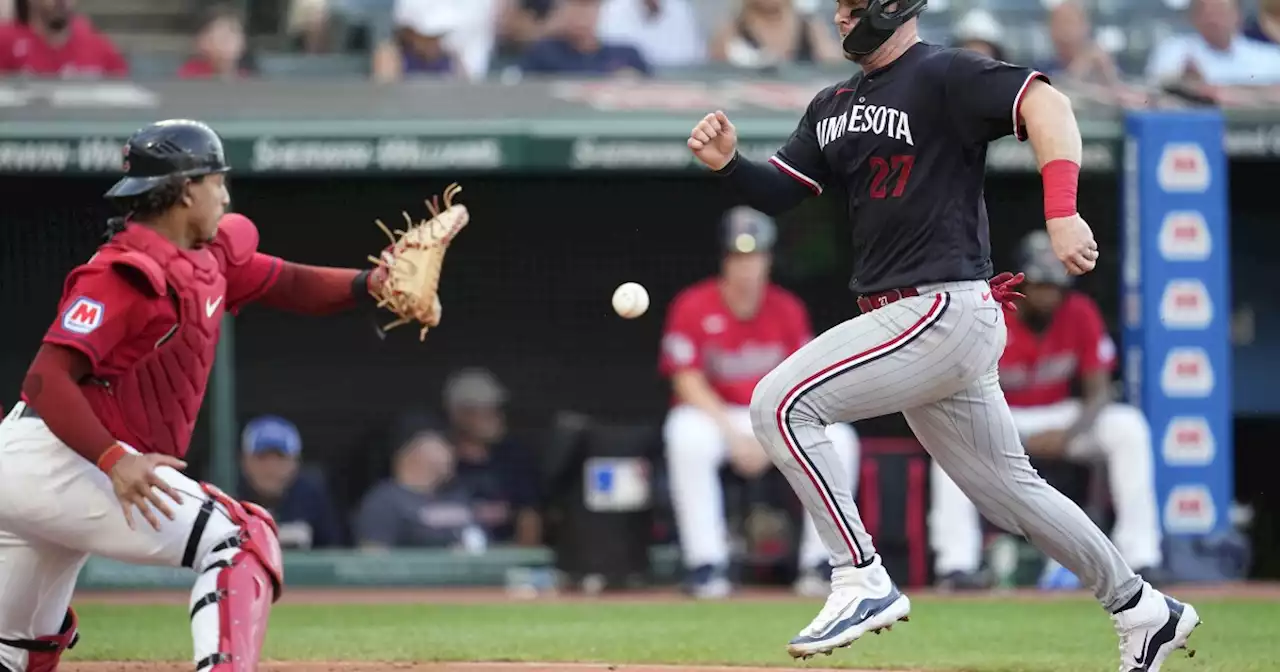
{"x":989,"y":635}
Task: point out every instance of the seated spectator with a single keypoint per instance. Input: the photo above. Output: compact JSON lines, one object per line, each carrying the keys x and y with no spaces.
{"x":446,"y":36}
{"x":1077,"y":55}
{"x":419,"y":46}
{"x":772,"y":32}
{"x":665,"y":32}
{"x":1265,"y":25}
{"x":307,"y":25}
{"x":422,"y":504}
{"x":980,"y":31}
{"x":573,"y":46}
{"x":272,"y":477}
{"x":50,"y":39}
{"x":1217,"y":53}
{"x":522,"y":23}
{"x":502,"y":476}
{"x":219,"y":46}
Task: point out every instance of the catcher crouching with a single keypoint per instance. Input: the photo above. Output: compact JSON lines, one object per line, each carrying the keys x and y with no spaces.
{"x":92,"y":455}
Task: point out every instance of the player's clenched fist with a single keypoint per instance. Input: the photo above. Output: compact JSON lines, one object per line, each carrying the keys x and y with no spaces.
{"x":1073,"y":243}
{"x":714,"y":140}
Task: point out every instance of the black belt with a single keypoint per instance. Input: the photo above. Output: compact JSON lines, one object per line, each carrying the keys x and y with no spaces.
{"x":28,"y":412}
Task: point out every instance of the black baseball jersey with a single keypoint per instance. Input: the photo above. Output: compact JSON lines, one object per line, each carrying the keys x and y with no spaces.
{"x":907,"y":143}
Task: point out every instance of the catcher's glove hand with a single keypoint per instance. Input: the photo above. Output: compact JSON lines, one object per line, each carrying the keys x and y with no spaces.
{"x":409,"y":269}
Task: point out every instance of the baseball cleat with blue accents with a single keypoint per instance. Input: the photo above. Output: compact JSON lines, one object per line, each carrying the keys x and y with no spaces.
{"x":1152,"y":630}
{"x":862,"y":600}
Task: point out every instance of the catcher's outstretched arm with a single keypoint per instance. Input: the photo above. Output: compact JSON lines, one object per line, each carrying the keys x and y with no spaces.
{"x":318,"y":290}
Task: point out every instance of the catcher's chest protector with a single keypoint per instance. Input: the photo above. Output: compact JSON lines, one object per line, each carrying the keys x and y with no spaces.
{"x":156,"y":400}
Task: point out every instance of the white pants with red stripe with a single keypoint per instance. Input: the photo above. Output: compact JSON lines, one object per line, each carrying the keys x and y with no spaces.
{"x":933,"y":358}
{"x":57,"y":509}
{"x":695,"y":452}
{"x":1121,"y":437}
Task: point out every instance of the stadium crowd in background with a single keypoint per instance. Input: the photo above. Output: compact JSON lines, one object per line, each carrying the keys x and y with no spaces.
{"x":1213,"y":42}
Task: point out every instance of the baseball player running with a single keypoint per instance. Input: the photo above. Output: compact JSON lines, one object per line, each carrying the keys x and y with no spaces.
{"x":905,"y":139}
{"x":91,"y":456}
{"x":722,"y":336}
{"x":1055,"y":337}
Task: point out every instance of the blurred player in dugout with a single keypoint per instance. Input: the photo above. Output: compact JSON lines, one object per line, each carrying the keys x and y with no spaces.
{"x":1057,"y":337}
{"x":722,"y":335}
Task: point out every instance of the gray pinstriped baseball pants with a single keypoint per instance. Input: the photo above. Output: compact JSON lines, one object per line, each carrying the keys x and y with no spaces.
{"x":932,"y":357}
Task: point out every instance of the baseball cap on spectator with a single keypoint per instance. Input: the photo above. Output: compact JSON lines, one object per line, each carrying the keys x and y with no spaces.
{"x":744,"y":230}
{"x":270,"y":433}
{"x":474,"y":387}
{"x":980,"y":25}
{"x":430,"y":18}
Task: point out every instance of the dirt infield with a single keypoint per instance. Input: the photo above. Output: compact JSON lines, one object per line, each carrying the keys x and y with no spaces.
{"x":430,"y":667}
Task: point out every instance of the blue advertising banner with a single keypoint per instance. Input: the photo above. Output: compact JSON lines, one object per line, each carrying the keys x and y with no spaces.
{"x":1176,"y":299}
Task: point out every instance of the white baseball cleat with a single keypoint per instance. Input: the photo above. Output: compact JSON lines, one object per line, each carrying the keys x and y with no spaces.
{"x":1153,"y":629}
{"x":862,"y":600}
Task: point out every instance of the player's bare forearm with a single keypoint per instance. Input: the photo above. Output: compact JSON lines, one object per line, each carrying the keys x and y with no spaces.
{"x":52,"y":389}
{"x":691,"y":387}
{"x":1051,"y":124}
{"x":315,"y":290}
{"x":763,"y":186}
{"x":1096,"y":390}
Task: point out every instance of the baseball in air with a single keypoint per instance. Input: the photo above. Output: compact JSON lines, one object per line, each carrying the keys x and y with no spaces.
{"x":630,"y":300}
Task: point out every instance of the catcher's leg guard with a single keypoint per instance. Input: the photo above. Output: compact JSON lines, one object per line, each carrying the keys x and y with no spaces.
{"x":44,"y":652}
{"x":240,"y":576}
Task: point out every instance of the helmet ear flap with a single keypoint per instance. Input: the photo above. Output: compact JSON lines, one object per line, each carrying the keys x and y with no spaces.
{"x":878,"y":24}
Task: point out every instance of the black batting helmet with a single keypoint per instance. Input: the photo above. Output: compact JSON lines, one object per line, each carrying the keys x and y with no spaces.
{"x":744,"y":230}
{"x":166,"y":149}
{"x":876,"y":24}
{"x":1037,"y":261}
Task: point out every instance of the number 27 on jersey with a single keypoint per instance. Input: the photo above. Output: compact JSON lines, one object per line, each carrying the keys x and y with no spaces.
{"x":889,"y":176}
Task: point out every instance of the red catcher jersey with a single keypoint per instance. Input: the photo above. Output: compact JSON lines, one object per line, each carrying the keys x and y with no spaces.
{"x":701,"y":333}
{"x":1037,"y":369}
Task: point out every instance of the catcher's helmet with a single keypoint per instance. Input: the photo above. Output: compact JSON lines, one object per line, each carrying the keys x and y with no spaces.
{"x":744,"y":230}
{"x":174,"y":147}
{"x":1038,"y":262}
{"x":876,"y":24}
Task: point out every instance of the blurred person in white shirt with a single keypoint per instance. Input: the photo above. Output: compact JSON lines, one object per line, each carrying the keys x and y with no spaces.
{"x":464,"y":31}
{"x":1218,"y":53}
{"x":666,"y":32}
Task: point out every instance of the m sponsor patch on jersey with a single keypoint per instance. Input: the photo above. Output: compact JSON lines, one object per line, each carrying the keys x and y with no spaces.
{"x":1184,"y":236}
{"x":1185,"y":304}
{"x":83,"y":316}
{"x":1189,"y":510}
{"x":679,"y":348}
{"x":1187,"y":373}
{"x":1183,"y":168}
{"x":1188,"y":442}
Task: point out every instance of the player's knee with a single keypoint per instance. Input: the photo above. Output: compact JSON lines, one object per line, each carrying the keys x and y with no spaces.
{"x":766,"y":404}
{"x":691,"y":436}
{"x":844,"y":440}
{"x":1122,"y":427}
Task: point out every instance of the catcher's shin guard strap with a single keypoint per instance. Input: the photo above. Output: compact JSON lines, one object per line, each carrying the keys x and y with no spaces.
{"x":44,"y":652}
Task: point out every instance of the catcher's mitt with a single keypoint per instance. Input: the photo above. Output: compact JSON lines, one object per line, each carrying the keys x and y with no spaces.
{"x":412,"y":263}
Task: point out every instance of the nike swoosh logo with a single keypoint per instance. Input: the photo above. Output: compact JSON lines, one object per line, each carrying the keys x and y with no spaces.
{"x":840,"y":91}
{"x":210,"y":306}
{"x":986,"y":295}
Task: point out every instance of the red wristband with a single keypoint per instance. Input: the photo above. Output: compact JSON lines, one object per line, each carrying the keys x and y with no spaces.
{"x":1060,"y":177}
{"x":113,"y":454}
